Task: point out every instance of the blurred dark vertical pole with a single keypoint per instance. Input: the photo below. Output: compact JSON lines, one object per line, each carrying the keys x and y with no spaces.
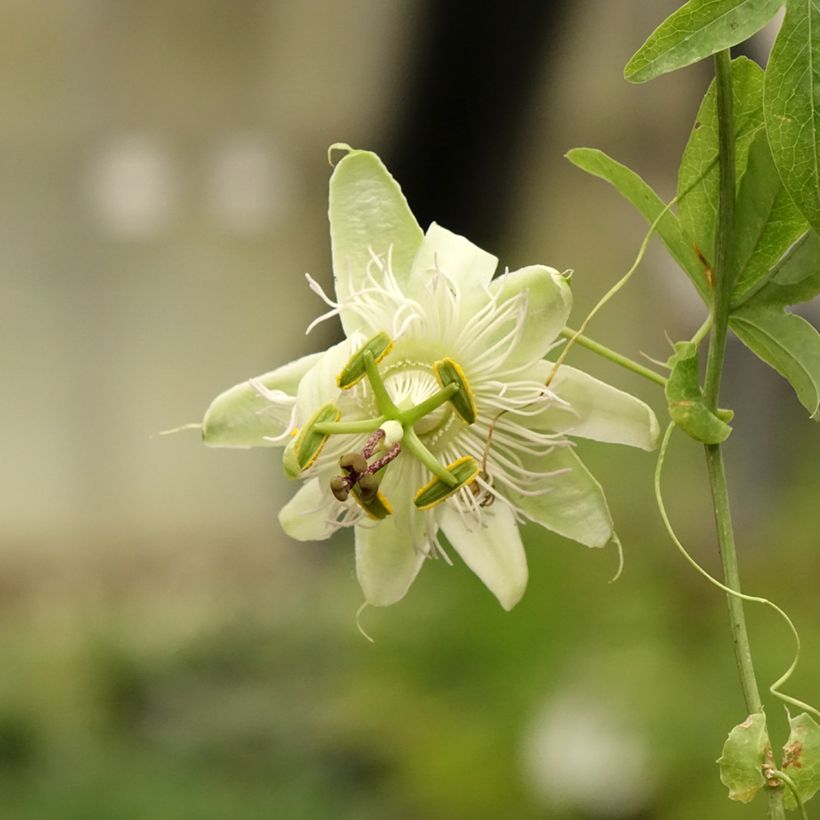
{"x":471,"y":76}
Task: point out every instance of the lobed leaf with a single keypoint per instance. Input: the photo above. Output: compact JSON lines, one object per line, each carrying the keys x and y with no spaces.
{"x":792,"y":105}
{"x":697,"y":30}
{"x":649,"y":204}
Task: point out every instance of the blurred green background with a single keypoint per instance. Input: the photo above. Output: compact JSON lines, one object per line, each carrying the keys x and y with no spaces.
{"x":165,"y":651}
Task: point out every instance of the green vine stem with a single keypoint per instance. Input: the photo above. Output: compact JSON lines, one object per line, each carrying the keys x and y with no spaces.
{"x":714,"y":371}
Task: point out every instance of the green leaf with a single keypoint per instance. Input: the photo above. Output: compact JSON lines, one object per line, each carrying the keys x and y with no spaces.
{"x":786,"y":342}
{"x":649,"y":204}
{"x":767,"y":222}
{"x":741,"y":764}
{"x":801,"y":758}
{"x":794,"y":279}
{"x":792,"y":105}
{"x":685,"y":398}
{"x":698,"y":174}
{"x":697,"y":30}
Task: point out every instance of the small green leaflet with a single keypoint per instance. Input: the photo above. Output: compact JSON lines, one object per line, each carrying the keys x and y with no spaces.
{"x":698,"y":173}
{"x":792,"y":105}
{"x":801,"y":758}
{"x":697,"y":30}
{"x":741,"y":764}
{"x":649,"y":204}
{"x":685,"y":398}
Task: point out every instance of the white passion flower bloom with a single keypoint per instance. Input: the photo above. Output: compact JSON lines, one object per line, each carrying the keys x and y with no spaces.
{"x":437,"y":413}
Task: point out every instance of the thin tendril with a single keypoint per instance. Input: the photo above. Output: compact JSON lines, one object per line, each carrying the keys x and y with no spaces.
{"x":359,"y":626}
{"x":612,"y":291}
{"x":775,"y":687}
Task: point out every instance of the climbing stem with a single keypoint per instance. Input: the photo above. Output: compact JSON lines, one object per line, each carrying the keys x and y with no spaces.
{"x":721,"y":307}
{"x":613,"y":356}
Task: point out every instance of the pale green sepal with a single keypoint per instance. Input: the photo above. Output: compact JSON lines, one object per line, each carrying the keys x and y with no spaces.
{"x":695,"y":31}
{"x":491,"y":548}
{"x":241,"y":417}
{"x":741,"y":764}
{"x":801,"y":758}
{"x":791,"y":105}
{"x":468,"y":267}
{"x":572,"y":502}
{"x":387,"y":562}
{"x":548,"y":305}
{"x":592,"y":409}
{"x":684,"y":397}
{"x":368,"y":212}
{"x":308,"y":516}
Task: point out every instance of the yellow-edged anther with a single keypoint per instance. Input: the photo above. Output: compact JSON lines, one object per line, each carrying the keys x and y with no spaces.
{"x":465,"y":470}
{"x":448,"y":371}
{"x":377,"y":507}
{"x":354,"y":371}
{"x":305,"y":448}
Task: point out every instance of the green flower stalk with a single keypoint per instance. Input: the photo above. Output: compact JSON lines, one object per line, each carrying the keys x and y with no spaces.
{"x":439,"y":412}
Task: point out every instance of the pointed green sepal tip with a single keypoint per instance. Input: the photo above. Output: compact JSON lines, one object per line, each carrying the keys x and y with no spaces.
{"x":684,"y":397}
{"x":377,"y":507}
{"x":447,"y":372}
{"x":741,"y":764}
{"x":355,"y":370}
{"x":465,"y":470}
{"x":305,"y":448}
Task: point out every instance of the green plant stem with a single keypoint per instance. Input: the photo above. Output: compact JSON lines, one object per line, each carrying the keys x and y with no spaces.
{"x":613,"y":356}
{"x":714,"y":370}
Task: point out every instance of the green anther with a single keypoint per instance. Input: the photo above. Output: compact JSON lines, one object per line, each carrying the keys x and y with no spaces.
{"x":305,"y":448}
{"x":377,"y":507}
{"x":355,"y":369}
{"x":448,"y":372}
{"x":465,"y":470}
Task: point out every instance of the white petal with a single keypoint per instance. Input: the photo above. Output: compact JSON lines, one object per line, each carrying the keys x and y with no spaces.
{"x":308,"y":516}
{"x":549,"y":302}
{"x":386,"y":561}
{"x":319,"y":386}
{"x":367,"y":211}
{"x":492,"y":550}
{"x":572,"y":504}
{"x":464,"y":264}
{"x":596,"y":410}
{"x":240,"y":417}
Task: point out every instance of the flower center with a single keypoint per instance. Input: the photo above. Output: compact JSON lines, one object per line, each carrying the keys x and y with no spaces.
{"x":409,"y":384}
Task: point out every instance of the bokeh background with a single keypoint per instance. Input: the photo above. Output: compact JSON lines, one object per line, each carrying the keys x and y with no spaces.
{"x":165,"y":651}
